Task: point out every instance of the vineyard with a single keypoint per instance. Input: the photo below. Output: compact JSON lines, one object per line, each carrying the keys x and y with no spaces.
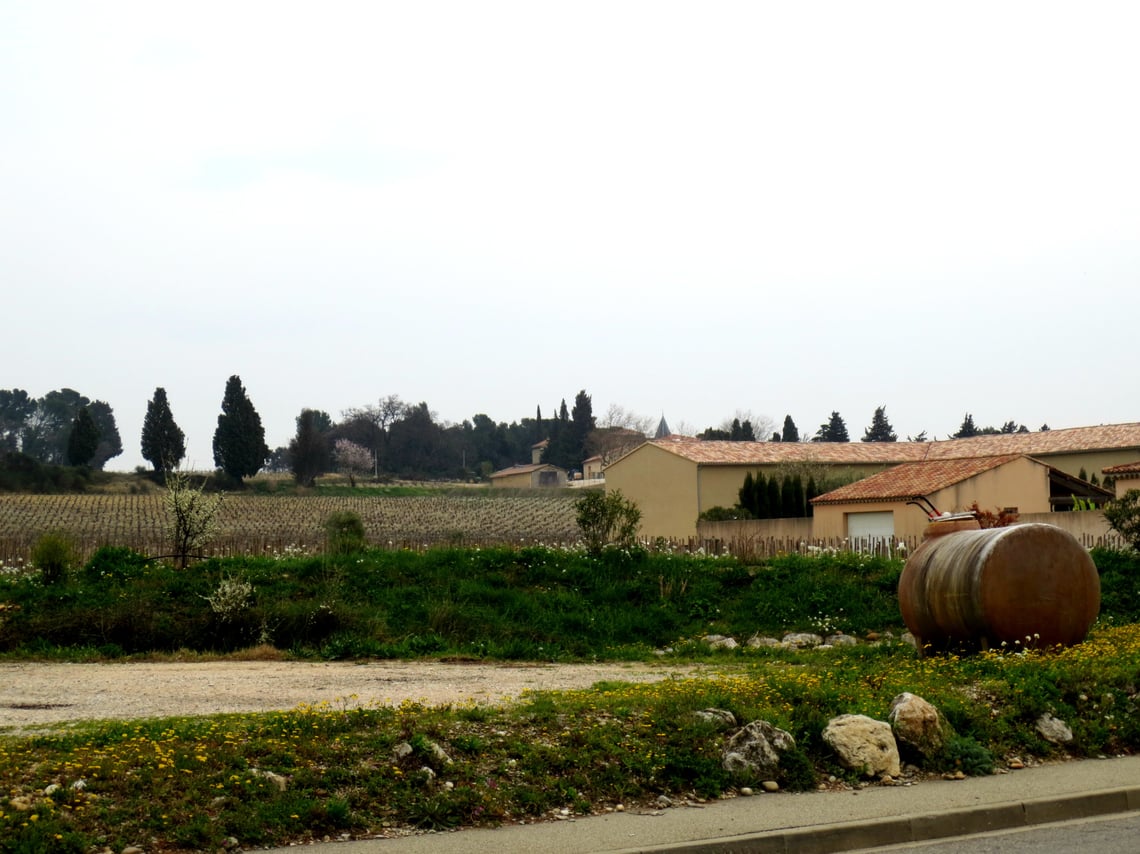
{"x":252,"y":524}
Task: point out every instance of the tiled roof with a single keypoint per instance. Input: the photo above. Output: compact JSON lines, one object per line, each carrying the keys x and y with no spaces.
{"x":760,"y":453}
{"x":523,"y":469}
{"x":1075,"y":439}
{"x":911,"y":480}
{"x":1126,"y":468}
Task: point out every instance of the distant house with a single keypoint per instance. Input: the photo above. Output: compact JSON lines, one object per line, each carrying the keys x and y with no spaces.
{"x":674,"y":479}
{"x":537,"y":450}
{"x":592,"y":468}
{"x":530,"y":476}
{"x":1126,"y":477}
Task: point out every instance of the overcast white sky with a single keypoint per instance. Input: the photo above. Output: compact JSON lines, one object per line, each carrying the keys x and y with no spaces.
{"x":686,"y":209}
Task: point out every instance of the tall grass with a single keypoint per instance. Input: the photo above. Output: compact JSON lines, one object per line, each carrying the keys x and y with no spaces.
{"x":532,"y":603}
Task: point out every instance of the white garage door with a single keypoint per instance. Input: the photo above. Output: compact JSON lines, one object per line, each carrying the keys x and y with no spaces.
{"x":870,"y":529}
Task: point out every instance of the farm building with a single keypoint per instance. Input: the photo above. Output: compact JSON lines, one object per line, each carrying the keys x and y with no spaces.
{"x":877,"y":506}
{"x":1126,"y":476}
{"x":674,"y":479}
{"x":529,"y":476}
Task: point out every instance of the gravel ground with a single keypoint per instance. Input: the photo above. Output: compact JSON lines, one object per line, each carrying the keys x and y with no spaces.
{"x":33,"y":693}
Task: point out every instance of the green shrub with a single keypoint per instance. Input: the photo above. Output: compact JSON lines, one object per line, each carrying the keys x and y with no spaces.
{"x":113,"y":564}
{"x":54,"y":555}
{"x":607,"y":518}
{"x":344,"y":533}
{"x":962,"y":753}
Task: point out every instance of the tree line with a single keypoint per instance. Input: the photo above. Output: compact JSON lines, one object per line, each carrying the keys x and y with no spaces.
{"x":389,"y":438}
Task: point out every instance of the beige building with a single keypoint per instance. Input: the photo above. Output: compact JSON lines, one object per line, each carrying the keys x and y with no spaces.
{"x":1126,"y":477}
{"x":893,"y":503}
{"x":675,"y":479}
{"x":531,"y":476}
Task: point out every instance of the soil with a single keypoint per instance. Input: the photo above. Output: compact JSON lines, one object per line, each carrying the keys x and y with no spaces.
{"x":35,"y":693}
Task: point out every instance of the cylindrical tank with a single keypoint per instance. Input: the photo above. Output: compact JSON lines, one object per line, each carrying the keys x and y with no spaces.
{"x":1032,"y":585}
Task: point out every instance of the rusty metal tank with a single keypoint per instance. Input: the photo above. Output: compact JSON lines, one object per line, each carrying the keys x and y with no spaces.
{"x":1029,"y":585}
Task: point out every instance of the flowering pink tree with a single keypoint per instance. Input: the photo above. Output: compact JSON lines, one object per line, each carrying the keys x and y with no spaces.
{"x":352,"y":459}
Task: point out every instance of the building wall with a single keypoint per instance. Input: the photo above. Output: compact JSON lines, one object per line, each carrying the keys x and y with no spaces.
{"x":1125,"y":482}
{"x":1022,"y":483}
{"x":1093,"y":462}
{"x":664,"y":487}
{"x":521,"y":480}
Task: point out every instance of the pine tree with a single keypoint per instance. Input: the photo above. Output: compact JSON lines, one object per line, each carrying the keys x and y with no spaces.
{"x":790,"y":434}
{"x":239,"y":440}
{"x":834,"y":430}
{"x":880,"y":429}
{"x":967,"y":429}
{"x":163,"y":442}
{"x":83,"y":439}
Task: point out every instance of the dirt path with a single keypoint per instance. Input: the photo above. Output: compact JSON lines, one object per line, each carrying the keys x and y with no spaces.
{"x":36,"y":693}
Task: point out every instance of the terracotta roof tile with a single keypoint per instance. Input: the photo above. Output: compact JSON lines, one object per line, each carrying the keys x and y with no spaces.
{"x":1109,"y":436}
{"x":1125,"y":468}
{"x":910,"y":480}
{"x":523,"y":469}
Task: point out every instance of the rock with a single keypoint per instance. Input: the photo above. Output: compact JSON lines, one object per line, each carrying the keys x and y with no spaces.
{"x":20,"y":803}
{"x":1015,"y":763}
{"x":908,"y":638}
{"x":276,"y":779}
{"x":51,"y":789}
{"x":132,"y":849}
{"x":770,"y":786}
{"x":840,"y":639}
{"x":401,"y":751}
{"x":720,"y":642}
{"x":438,"y":753}
{"x":755,"y":750}
{"x":799,"y":640}
{"x":755,"y":642}
{"x":863,"y":744}
{"x":664,"y":802}
{"x":723,"y":718}
{"x":917,"y":725}
{"x":746,"y":791}
{"x":1054,"y":729}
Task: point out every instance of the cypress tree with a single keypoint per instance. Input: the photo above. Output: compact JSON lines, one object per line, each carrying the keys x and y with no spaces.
{"x":239,"y":440}
{"x":788,"y":507}
{"x":163,"y":442}
{"x":83,"y":440}
{"x":798,"y":496}
{"x":790,"y":434}
{"x":774,"y":506}
{"x":746,"y":494}
{"x":760,"y":497}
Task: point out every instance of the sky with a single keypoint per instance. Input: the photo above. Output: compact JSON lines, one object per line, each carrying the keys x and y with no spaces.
{"x":689,"y":210}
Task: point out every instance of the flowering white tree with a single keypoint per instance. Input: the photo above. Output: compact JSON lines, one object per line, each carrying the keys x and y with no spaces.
{"x":352,"y":459}
{"x":193,"y":516}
